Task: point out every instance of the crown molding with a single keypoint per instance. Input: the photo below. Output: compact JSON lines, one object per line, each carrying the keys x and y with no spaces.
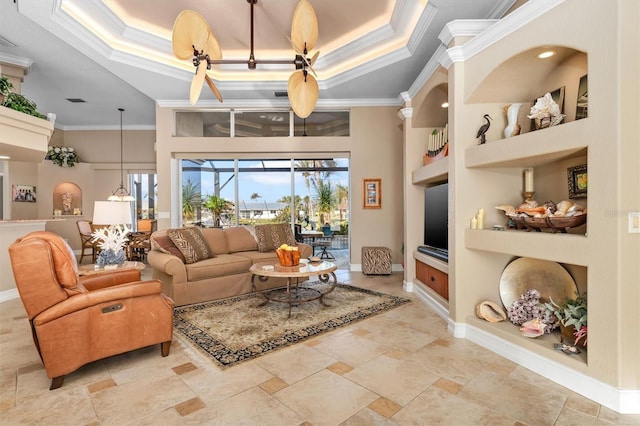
{"x":274,"y":103}
{"x":499,"y":30}
{"x":429,"y":69}
{"x":16,"y":61}
{"x":115,"y":28}
{"x":405,"y":113}
{"x":424,"y":23}
{"x":464,"y":28}
{"x":105,"y":127}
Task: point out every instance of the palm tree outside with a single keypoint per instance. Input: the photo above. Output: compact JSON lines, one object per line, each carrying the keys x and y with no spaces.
{"x":217,"y":205}
{"x":191,"y":198}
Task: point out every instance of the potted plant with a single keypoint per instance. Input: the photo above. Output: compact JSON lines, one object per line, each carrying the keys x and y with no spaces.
{"x":18,"y":102}
{"x":5,"y":88}
{"x":572,"y":316}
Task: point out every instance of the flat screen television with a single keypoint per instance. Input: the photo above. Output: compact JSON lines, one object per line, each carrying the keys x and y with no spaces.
{"x":436,"y":222}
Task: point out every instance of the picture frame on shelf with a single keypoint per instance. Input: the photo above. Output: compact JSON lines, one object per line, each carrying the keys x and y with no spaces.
{"x":582,"y":104}
{"x":23,"y":193}
{"x":371,"y":193}
{"x":558,"y":97}
{"x":578,"y":181}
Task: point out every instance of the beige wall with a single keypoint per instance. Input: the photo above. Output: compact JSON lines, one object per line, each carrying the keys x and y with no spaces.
{"x":97,"y":175}
{"x":21,"y":173}
{"x":374,"y":147}
{"x":604,"y":261}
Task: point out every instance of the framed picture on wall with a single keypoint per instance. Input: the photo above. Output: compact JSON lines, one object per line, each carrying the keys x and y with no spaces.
{"x":582,"y":106}
{"x":372,"y":193}
{"x":578,"y":181}
{"x":23,"y":193}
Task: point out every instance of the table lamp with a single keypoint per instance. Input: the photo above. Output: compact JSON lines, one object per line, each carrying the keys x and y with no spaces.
{"x":112,"y":220}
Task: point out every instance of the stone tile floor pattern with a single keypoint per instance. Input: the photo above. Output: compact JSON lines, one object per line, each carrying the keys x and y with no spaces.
{"x":398,"y":368}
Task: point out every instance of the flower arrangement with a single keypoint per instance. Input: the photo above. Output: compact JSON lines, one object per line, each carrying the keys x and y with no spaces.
{"x":572,"y":312}
{"x":111,"y":240}
{"x":62,"y":156}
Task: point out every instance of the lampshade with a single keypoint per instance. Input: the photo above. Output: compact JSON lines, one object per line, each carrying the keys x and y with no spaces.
{"x":112,"y":213}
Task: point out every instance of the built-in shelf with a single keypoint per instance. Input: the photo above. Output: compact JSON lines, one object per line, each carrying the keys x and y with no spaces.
{"x":22,"y":136}
{"x":431,"y":261}
{"x":431,"y":173}
{"x":542,"y":345}
{"x":533,"y":148}
{"x":568,"y":248}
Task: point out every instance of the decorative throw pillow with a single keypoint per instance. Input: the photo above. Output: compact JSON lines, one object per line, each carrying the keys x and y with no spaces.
{"x":273,"y":235}
{"x":162,"y":243}
{"x":191,"y":244}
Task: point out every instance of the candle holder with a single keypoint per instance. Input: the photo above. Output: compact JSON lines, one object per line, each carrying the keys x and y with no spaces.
{"x":528,"y":196}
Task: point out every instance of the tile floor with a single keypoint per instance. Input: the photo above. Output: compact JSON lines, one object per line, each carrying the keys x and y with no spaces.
{"x":398,"y":368}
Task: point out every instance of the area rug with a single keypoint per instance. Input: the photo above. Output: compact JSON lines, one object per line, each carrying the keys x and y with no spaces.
{"x":237,"y":329}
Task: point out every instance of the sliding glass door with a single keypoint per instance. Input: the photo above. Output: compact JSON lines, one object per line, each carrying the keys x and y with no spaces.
{"x":227,"y":192}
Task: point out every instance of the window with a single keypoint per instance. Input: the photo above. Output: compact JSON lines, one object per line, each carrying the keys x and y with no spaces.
{"x":247,"y":123}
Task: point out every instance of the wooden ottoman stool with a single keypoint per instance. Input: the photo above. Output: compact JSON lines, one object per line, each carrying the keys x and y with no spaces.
{"x":376,"y":260}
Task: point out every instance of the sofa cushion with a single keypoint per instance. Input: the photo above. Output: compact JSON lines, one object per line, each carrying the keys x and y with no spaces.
{"x":259,"y":257}
{"x":219,"y":266}
{"x":240,"y":238}
{"x":161,"y":242}
{"x":217,"y":240}
{"x":273,"y":235}
{"x":191,"y":244}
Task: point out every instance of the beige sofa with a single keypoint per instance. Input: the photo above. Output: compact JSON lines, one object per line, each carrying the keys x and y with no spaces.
{"x":225,"y":275}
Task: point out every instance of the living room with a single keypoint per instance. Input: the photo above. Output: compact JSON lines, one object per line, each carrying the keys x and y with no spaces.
{"x":393,"y":144}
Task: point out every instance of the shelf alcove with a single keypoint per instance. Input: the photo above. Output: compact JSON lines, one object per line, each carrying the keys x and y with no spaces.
{"x":67,"y":199}
{"x":495,"y":169}
{"x":498,"y":67}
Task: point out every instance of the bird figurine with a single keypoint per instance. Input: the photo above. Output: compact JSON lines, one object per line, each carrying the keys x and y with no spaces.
{"x":483,"y":129}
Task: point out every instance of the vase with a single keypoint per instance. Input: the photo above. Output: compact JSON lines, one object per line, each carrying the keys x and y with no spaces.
{"x":513,"y":128}
{"x":111,"y":257}
{"x":567,"y":334}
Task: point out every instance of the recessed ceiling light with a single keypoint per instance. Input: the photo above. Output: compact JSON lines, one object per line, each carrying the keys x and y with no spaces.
{"x":445,"y":105}
{"x":547,"y":54}
{"x":4,"y":157}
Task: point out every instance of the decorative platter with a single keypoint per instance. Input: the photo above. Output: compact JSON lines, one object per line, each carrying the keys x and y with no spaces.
{"x":550,"y":279}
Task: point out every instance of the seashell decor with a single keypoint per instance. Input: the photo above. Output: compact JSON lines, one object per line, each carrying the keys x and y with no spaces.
{"x":532,"y":328}
{"x":546,"y":112}
{"x":549,"y":209}
{"x":534,"y":217}
{"x":490,"y":311}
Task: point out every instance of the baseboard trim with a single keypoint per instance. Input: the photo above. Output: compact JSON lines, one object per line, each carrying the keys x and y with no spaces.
{"x":625,"y":401}
{"x":423,"y":294}
{"x":9,"y":295}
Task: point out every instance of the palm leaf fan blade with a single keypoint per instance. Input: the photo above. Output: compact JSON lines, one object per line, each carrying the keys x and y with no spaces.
{"x":190,"y":30}
{"x":304,"y":27}
{"x":196,"y":83}
{"x":303,"y":93}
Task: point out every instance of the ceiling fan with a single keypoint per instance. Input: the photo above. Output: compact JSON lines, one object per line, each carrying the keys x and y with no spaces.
{"x":192,"y":38}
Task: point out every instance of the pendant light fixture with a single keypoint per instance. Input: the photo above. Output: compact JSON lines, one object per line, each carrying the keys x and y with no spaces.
{"x":121,"y":193}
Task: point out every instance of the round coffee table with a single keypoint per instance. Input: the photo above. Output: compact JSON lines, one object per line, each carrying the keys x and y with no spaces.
{"x":294,"y":293}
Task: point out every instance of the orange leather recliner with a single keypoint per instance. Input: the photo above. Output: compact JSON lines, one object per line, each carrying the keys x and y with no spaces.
{"x":76,"y":320}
